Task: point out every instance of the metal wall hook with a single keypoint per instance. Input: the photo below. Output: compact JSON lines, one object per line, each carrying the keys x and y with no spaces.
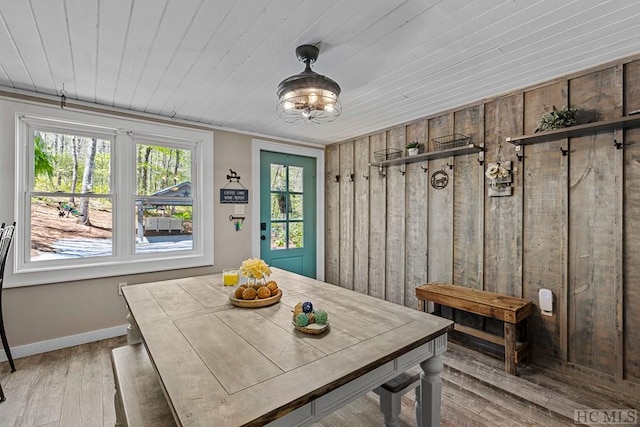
{"x":403,"y":172}
{"x":63,"y":97}
{"x":519,"y":153}
{"x":564,"y":152}
{"x":424,"y":169}
{"x":381,"y":171}
{"x":337,"y":178}
{"x":617,"y":144}
{"x":450,"y":166}
{"x":366,"y":177}
{"x":350,"y":177}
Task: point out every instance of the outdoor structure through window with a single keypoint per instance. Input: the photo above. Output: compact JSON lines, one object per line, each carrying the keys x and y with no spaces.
{"x":92,"y":195}
{"x":164,"y":202}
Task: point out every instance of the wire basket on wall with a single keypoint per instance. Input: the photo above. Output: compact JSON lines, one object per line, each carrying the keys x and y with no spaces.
{"x":450,"y":141}
{"x":387,"y":154}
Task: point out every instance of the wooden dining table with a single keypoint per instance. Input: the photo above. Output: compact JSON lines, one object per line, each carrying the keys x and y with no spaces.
{"x":223,"y":365}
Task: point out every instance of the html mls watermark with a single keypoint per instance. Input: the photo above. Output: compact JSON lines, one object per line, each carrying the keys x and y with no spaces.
{"x":606,"y":416}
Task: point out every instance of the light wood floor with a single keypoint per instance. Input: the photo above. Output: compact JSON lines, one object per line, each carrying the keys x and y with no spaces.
{"x":74,"y":387}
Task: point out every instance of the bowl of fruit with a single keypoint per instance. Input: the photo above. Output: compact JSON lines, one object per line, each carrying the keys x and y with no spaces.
{"x":252,"y":296}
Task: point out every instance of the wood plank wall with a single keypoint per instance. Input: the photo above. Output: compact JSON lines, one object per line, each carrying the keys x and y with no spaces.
{"x":572,"y":224}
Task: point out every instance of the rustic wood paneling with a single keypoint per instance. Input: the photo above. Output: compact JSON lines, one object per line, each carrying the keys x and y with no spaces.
{"x":346,"y":213}
{"x":544,"y":221}
{"x":632,"y":252}
{"x":618,"y":231}
{"x":592,"y":287}
{"x":596,"y":95}
{"x":591,"y":249}
{"x":332,"y":215}
{"x":503,"y":215}
{"x":440,"y":217}
{"x":632,"y":87}
{"x":468,"y":202}
{"x":416,"y":190}
{"x":362,"y":174}
{"x":632,"y":226}
{"x":570,"y":226}
{"x":377,"y":221}
{"x":395,"y":274}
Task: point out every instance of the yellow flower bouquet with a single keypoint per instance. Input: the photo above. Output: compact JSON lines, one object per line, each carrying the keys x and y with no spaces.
{"x":255,"y":268}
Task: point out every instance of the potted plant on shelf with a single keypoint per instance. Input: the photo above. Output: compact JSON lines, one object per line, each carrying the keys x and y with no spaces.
{"x":557,"y":119}
{"x":413,"y":148}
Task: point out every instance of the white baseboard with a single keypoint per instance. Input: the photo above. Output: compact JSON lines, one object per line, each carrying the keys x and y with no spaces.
{"x":63,"y":342}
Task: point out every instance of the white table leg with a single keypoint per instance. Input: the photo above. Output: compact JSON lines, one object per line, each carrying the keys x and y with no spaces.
{"x":428,"y":415}
{"x":133,"y":333}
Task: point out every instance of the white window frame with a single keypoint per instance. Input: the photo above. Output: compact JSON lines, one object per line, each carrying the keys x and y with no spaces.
{"x":124,"y":134}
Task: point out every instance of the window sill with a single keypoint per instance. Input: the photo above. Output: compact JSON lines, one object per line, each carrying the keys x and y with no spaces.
{"x":51,"y":275}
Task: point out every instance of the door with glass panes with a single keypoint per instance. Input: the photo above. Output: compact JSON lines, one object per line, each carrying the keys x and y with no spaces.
{"x":288,"y":212}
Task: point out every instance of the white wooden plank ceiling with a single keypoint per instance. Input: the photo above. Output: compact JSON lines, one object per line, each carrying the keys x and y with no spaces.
{"x":219,"y":62}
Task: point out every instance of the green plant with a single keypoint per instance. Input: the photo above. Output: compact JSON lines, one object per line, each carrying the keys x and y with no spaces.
{"x":42,"y":161}
{"x":412,"y":144}
{"x":557,"y":119}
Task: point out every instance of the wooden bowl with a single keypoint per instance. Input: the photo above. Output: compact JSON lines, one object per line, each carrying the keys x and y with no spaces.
{"x":312,"y":328}
{"x":255,"y":303}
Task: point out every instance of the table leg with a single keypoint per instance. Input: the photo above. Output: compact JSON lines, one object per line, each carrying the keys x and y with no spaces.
{"x":428,"y":415}
{"x":510,"y":348}
{"x":133,"y":333}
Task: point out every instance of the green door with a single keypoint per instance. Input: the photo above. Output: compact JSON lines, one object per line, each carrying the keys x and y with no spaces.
{"x":288,"y":212}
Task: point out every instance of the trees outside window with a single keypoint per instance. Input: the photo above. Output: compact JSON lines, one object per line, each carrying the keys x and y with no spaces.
{"x":108,"y":196}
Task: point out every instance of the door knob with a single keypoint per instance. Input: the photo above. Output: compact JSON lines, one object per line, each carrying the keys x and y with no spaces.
{"x":263,"y":237}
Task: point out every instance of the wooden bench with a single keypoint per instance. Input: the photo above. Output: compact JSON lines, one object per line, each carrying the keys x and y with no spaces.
{"x":510,"y":310}
{"x":139,"y":399}
{"x":392,"y":391}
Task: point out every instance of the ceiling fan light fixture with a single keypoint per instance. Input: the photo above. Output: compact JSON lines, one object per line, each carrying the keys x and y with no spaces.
{"x":308,"y":96}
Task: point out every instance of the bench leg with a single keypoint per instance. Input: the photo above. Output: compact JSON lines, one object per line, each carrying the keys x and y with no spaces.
{"x":390,"y":407}
{"x":510,"y":348}
{"x":118,"y":406}
{"x":431,"y":393}
{"x":425,"y":306}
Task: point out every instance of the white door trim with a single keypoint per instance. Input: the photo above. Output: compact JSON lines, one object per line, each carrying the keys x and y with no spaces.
{"x":260,"y":145}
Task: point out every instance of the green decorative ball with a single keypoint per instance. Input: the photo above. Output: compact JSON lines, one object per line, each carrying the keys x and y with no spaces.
{"x":302,"y":319}
{"x":321,"y":317}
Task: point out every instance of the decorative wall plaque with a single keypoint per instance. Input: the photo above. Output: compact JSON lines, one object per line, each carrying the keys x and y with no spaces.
{"x":439,"y":179}
{"x":500,"y":179}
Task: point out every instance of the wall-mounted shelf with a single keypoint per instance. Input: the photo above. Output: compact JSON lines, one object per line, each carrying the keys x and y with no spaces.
{"x":431,"y":155}
{"x":579,"y":130}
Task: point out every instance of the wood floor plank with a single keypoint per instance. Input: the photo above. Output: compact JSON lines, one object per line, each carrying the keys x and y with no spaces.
{"x":471,"y":394}
{"x":47,"y":392}
{"x":17,"y":388}
{"x":108,"y":390}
